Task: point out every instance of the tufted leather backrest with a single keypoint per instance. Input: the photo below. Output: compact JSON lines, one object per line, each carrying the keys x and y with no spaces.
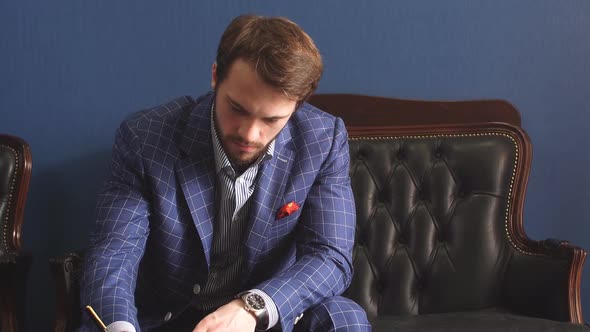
{"x":435,"y":201}
{"x":15,"y":170}
{"x":431,"y":220}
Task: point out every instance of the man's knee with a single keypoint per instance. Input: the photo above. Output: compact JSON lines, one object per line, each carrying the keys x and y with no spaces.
{"x":335,"y":313}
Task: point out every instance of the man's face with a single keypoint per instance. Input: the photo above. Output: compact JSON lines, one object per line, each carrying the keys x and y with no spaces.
{"x":248,"y":113}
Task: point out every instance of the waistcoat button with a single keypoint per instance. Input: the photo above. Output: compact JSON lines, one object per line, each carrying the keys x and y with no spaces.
{"x":196,"y":289}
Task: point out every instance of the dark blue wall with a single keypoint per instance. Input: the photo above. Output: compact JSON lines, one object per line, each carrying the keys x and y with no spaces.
{"x":70,"y":71}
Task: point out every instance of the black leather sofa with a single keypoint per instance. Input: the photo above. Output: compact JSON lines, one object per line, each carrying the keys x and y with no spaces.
{"x":439,"y":190}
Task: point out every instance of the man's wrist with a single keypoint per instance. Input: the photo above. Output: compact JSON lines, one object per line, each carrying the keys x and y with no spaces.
{"x":256,"y":305}
{"x":242,"y":304}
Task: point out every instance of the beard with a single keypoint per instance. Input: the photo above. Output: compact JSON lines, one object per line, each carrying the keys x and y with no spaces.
{"x":240,"y":162}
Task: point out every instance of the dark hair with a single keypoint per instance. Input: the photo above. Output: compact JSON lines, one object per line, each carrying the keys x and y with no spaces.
{"x":283,"y":55}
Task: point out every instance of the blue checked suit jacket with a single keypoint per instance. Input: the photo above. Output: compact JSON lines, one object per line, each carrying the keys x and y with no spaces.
{"x":155,"y":216}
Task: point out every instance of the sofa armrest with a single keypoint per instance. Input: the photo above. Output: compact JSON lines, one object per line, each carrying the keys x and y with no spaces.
{"x":14,"y":269}
{"x":66,"y":271}
{"x":543,"y":280}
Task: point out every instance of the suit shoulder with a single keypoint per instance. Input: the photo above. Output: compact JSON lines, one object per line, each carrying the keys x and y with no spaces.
{"x":167,"y":114}
{"x":312,"y":112}
{"x":309,"y":119}
{"x":315,"y":131}
{"x":161,"y":125}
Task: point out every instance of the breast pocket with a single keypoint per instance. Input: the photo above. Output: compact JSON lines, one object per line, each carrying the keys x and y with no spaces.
{"x":280,"y":239}
{"x":285,"y":225}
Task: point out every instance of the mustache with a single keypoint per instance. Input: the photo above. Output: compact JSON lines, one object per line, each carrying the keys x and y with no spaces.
{"x":240,"y":140}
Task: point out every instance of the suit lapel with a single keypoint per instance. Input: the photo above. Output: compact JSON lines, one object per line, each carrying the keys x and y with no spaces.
{"x":268,"y":195}
{"x":197,"y":180}
{"x":195,"y":172}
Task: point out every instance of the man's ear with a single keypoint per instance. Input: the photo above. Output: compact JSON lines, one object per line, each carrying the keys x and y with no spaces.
{"x":213,"y":75}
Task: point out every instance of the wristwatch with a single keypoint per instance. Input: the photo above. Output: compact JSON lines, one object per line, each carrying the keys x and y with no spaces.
{"x":254,"y":304}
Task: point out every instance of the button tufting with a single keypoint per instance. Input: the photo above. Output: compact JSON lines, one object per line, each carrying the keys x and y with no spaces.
{"x":437,"y":153}
{"x":421,"y":194}
{"x":420,"y":285}
{"x":359,"y":242}
{"x":401,"y":154}
{"x":402,"y":239}
{"x":361,"y":156}
{"x":380,"y":287}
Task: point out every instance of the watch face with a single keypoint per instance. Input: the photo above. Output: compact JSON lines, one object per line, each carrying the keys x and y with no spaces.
{"x":255,"y":301}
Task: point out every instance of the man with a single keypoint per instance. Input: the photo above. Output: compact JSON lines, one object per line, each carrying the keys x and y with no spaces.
{"x":233,"y":212}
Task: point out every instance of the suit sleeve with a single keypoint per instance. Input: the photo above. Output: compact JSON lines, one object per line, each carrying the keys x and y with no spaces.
{"x":118,"y":241}
{"x":324,"y":245}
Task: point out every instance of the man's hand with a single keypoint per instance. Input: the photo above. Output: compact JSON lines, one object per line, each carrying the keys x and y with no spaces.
{"x":230,"y":317}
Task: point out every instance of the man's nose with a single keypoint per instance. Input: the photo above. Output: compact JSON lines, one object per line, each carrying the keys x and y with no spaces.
{"x":249,"y":131}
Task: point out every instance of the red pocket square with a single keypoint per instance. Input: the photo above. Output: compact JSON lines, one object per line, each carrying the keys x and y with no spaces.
{"x":287,"y":209}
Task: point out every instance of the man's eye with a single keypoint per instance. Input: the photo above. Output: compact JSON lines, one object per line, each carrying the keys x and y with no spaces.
{"x":271,"y":121}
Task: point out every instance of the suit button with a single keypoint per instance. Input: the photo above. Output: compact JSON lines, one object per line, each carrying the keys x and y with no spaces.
{"x":196,"y":289}
{"x":167,"y":316}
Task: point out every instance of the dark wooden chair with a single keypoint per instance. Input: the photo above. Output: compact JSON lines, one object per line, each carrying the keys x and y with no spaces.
{"x":15,"y":174}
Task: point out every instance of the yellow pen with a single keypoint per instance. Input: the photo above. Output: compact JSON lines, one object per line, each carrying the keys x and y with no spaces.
{"x":96,"y":319}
